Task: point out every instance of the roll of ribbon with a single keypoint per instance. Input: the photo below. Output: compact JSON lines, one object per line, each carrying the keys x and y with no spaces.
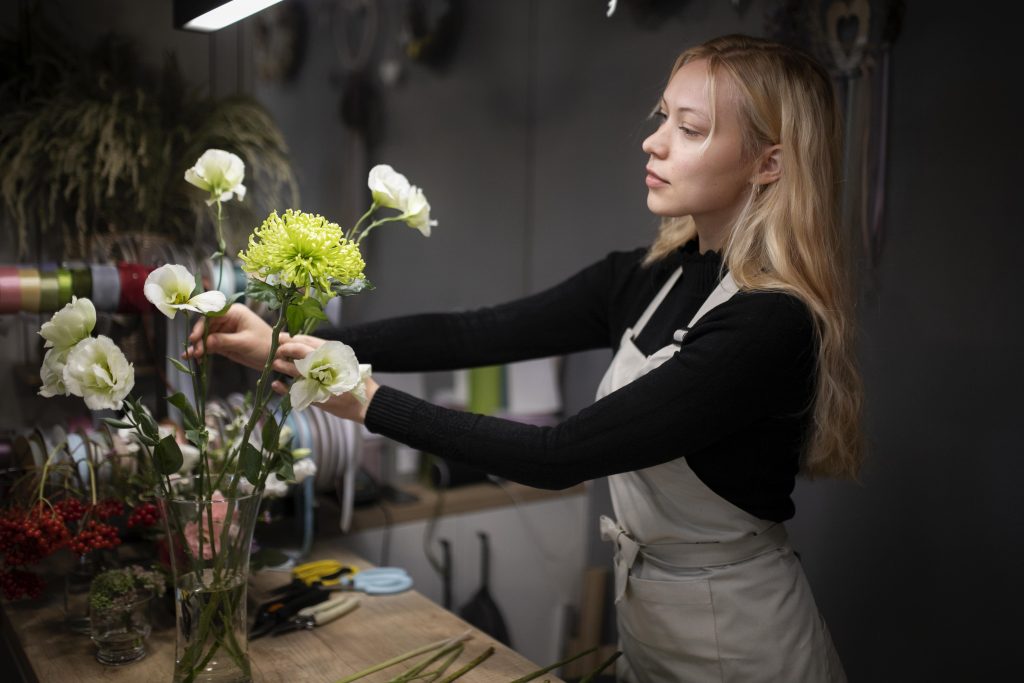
{"x":133,"y":280}
{"x":64,"y":287}
{"x":106,"y":288}
{"x":29,"y":289}
{"x":48,"y":291}
{"x":81,"y":281}
{"x":10,"y":290}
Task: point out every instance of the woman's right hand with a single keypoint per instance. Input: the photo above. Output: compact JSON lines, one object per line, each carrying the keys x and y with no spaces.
{"x":239,"y":335}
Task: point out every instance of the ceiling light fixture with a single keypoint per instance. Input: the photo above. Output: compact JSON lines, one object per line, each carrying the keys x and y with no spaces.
{"x":212,"y":15}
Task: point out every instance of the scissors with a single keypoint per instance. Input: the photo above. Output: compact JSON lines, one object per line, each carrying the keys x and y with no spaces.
{"x":317,"y":615}
{"x":376,"y":581}
{"x":322,"y":572}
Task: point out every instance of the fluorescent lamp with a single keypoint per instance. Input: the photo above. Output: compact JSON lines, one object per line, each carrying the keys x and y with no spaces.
{"x":213,"y":15}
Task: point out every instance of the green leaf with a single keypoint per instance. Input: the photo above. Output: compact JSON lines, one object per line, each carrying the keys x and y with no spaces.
{"x":300,"y":312}
{"x":167,"y":456}
{"x":250,"y":461}
{"x":118,"y":424}
{"x":257,"y":290}
{"x":270,"y":432}
{"x":351,"y":288}
{"x":180,"y":402}
{"x":199,"y":437}
{"x":147,"y":424}
{"x":286,"y":470}
{"x":181,"y":366}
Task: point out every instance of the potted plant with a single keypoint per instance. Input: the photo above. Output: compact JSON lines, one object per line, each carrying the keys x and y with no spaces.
{"x":119,"y":606}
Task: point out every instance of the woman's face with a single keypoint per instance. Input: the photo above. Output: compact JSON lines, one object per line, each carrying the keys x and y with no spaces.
{"x":683,"y":176}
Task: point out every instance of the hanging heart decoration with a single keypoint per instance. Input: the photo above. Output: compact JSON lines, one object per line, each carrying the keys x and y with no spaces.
{"x":847,"y":25}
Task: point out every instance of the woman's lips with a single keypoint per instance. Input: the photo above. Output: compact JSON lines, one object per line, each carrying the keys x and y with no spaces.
{"x":654,"y":180}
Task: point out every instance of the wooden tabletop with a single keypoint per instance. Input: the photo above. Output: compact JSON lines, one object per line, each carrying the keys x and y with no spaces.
{"x":381,"y":628}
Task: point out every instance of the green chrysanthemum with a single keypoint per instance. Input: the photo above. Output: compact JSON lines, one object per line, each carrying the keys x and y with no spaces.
{"x":302,"y":250}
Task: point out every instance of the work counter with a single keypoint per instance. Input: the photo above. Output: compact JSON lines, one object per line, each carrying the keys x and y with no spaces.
{"x":381,"y":628}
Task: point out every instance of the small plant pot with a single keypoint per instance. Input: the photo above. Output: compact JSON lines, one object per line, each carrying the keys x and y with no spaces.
{"x":120,"y":632}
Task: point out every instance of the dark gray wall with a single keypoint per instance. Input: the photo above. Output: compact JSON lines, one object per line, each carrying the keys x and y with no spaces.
{"x":528,"y":147}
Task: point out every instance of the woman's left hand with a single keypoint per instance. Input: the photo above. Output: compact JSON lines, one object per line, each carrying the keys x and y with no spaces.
{"x":345,"y":405}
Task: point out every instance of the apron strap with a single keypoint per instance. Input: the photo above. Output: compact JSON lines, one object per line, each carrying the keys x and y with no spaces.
{"x":685,"y":555}
{"x":656,"y":301}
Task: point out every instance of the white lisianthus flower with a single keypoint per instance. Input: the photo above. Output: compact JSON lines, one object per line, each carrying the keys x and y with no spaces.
{"x":98,"y":371}
{"x":416,"y":213}
{"x":69,"y":325}
{"x":390,"y":188}
{"x":169,"y":288}
{"x":275,"y":486}
{"x":52,"y":373}
{"x":304,"y":469}
{"x":220,"y":173}
{"x":330,"y":370}
{"x":190,"y":458}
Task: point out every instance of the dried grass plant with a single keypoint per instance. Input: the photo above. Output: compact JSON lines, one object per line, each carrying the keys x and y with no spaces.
{"x":92,"y":144}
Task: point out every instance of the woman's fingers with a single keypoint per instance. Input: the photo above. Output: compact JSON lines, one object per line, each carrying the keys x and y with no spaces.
{"x":279,"y":387}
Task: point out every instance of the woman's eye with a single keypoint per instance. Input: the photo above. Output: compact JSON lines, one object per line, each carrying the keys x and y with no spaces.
{"x":689,"y":132}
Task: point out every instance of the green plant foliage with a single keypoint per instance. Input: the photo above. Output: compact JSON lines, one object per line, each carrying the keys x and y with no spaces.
{"x":94,"y":143}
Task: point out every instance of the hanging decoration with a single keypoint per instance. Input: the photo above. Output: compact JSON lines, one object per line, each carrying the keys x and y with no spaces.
{"x":854,"y":39}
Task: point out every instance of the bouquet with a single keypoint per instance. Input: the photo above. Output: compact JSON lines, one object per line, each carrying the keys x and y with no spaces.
{"x":296,"y":263}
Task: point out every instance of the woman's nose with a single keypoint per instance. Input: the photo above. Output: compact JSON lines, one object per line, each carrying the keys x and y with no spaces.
{"x":652,"y":144}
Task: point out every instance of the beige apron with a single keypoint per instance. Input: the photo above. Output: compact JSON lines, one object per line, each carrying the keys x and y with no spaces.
{"x":704,"y":591}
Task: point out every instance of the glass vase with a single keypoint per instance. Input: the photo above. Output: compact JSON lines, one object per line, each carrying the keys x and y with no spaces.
{"x":209,"y":542}
{"x":120,"y":631}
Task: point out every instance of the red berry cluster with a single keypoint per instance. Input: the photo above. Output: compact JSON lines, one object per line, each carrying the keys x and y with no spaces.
{"x":16,"y":584}
{"x":71,"y":509}
{"x":28,"y":537}
{"x":145,"y":514}
{"x":105,"y":509}
{"x":95,"y":536}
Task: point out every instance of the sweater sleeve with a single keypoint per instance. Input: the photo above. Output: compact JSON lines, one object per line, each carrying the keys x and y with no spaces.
{"x":569,"y":317}
{"x":746,"y":362}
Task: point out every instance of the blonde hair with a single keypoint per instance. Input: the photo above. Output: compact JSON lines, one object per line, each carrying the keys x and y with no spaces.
{"x":788,"y":236}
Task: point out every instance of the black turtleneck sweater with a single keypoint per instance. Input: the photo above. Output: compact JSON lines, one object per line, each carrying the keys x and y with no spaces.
{"x":734,"y":400}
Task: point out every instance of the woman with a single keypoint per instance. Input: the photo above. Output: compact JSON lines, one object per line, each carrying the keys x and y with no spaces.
{"x":721,"y":389}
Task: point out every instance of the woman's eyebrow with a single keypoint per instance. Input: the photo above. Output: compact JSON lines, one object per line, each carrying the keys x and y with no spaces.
{"x":687,"y":110}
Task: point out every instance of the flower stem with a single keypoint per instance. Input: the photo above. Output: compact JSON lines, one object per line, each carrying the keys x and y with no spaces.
{"x":448,"y":642}
{"x":540,"y":672}
{"x":472,"y":665}
{"x":374,"y":224}
{"x":604,"y":665}
{"x":353,"y":232}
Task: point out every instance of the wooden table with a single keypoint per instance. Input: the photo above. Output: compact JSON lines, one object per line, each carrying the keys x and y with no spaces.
{"x":381,"y":628}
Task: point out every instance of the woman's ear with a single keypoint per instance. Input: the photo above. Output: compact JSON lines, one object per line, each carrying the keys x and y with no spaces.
{"x":769,"y":166}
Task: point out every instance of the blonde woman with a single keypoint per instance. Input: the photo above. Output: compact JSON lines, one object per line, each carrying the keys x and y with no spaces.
{"x":733,"y":372}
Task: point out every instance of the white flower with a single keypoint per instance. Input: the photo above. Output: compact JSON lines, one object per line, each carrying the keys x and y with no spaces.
{"x":169,"y":288}
{"x":330,"y":370}
{"x":69,"y":325}
{"x":190,"y":458}
{"x":52,"y":373}
{"x":275,"y":486}
{"x":220,"y":173}
{"x":304,"y":469}
{"x":417,"y":212}
{"x":98,"y":371}
{"x":389,"y":187}
{"x":245,"y":486}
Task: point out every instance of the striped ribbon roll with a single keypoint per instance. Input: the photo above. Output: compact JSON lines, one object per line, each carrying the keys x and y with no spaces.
{"x":29,"y":287}
{"x":10,"y":290}
{"x":81,"y":278}
{"x":106,"y":288}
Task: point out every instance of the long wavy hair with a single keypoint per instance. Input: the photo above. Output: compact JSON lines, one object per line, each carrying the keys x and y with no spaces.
{"x":788,"y":236}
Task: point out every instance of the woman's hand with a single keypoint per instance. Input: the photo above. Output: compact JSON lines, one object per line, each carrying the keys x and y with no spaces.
{"x":346,"y":405}
{"x":239,"y":335}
